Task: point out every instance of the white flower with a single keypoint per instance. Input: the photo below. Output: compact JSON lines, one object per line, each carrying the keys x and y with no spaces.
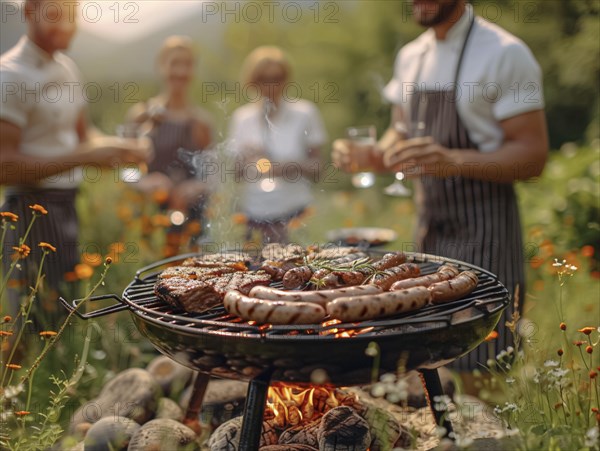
{"x":378,"y":390}
{"x":439,"y":431}
{"x":12,"y":391}
{"x":388,"y":377}
{"x":550,"y":363}
{"x":510,"y":380}
{"x":591,"y":437}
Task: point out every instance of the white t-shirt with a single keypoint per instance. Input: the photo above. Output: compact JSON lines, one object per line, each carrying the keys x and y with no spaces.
{"x":285,"y":138}
{"x":499,"y":77}
{"x":43,"y":96}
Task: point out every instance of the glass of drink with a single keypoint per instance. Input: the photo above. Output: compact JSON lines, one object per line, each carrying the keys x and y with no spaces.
{"x":398,"y":188}
{"x":130,"y":172}
{"x":363,"y":139}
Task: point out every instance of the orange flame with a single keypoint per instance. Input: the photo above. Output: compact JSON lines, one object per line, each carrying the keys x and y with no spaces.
{"x":289,"y":405}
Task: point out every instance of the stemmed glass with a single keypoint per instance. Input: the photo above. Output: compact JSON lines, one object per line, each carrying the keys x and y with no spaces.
{"x":363,"y":138}
{"x":130,"y":173}
{"x":398,"y":188}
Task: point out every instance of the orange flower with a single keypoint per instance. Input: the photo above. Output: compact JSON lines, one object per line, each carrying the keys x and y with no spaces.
{"x":7,"y":319}
{"x":91,"y":259}
{"x":47,"y":246}
{"x":117,"y":248}
{"x":83,"y":271}
{"x":48,"y":334}
{"x":578,"y":343}
{"x":160,"y":196}
{"x":492,"y":336}
{"x":5,"y":333}
{"x":563,"y":326}
{"x":108,"y":261}
{"x":70,"y":276}
{"x":37,"y":208}
{"x":560,"y":352}
{"x":161,"y":221}
{"x":13,"y":366}
{"x":593,"y":374}
{"x":22,"y":413}
{"x":586,"y":330}
{"x":8,"y":216}
{"x":587,"y":251}
{"x":239,"y":218}
{"x":21,"y":252}
{"x":589,"y":349}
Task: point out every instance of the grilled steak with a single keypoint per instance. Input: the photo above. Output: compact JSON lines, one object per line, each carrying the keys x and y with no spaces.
{"x":237,"y":260}
{"x":196,"y":290}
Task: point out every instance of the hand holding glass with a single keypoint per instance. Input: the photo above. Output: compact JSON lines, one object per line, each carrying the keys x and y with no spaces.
{"x":363,"y":139}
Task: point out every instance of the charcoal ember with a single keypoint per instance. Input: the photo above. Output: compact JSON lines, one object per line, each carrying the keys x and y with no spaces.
{"x":289,"y":447}
{"x":304,"y":434}
{"x":296,"y":277}
{"x":233,"y":259}
{"x":227,"y":436}
{"x":389,"y":260}
{"x":342,"y":429}
{"x":385,"y":429}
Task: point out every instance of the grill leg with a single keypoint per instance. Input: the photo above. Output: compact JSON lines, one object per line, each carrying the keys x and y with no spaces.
{"x":433,"y":388}
{"x":254,"y":408}
{"x":193,"y":411}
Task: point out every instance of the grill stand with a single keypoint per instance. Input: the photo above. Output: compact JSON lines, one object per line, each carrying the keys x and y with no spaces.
{"x":433,"y":388}
{"x":192,"y":413}
{"x":256,"y":399}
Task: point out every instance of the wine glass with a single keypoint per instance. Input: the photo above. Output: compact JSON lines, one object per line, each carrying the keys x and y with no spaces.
{"x":398,"y":188}
{"x":363,"y":139}
{"x":131,"y":172}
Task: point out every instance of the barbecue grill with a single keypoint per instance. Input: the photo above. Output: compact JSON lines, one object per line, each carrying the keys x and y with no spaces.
{"x":216,"y":343}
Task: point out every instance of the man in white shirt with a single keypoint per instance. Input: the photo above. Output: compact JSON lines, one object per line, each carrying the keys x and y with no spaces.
{"x":44,"y":140}
{"x":467,"y":122}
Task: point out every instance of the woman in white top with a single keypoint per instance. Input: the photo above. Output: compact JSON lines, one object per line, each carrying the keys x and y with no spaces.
{"x":277,"y":143}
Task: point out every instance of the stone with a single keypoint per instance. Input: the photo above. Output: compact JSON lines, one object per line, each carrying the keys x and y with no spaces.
{"x":170,"y":375}
{"x":110,"y":434}
{"x":163,"y":434}
{"x":167,"y":408}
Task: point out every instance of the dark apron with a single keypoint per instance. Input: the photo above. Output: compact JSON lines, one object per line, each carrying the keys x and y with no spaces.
{"x":471,"y":220}
{"x":59,"y":228}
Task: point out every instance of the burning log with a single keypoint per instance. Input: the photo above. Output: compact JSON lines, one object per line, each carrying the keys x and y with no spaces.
{"x":342,"y":429}
{"x":295,"y":447}
{"x":385,"y":429}
{"x":305,"y":435}
{"x":227,"y":436}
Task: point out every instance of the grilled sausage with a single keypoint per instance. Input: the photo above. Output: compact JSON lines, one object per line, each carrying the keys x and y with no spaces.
{"x":359,"y":308}
{"x":443,"y":273}
{"x":273,"y":312}
{"x":387,"y":278}
{"x":455,"y":288}
{"x":296,"y":277}
{"x":321,"y":297}
{"x":389,"y":261}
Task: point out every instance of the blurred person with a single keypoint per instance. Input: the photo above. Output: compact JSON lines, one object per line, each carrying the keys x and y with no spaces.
{"x":44,"y":139}
{"x":179,"y":129}
{"x":277,"y":142}
{"x":469,"y":145}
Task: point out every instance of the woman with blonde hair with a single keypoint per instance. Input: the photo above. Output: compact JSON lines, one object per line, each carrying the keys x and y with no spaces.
{"x":277,"y":140}
{"x":178,"y":129}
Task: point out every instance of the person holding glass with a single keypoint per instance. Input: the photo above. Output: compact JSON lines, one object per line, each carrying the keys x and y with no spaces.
{"x":179,"y":131}
{"x":277,"y":144}
{"x":467,"y":122}
{"x":44,"y":142}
